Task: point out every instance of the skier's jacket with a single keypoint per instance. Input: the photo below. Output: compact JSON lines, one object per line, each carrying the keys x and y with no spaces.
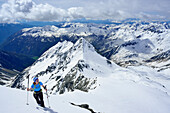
{"x":37,"y":87}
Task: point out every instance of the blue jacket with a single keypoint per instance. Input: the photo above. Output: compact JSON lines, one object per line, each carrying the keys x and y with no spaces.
{"x":37,"y":87}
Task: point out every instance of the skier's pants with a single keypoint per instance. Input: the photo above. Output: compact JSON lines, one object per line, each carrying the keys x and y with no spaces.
{"x":39,"y":98}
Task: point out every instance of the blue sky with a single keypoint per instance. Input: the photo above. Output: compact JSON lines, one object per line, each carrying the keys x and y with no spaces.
{"x":1,"y":2}
{"x":66,"y":10}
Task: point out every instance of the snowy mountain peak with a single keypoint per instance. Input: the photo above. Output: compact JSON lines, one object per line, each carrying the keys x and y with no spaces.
{"x":69,"y":66}
{"x":85,"y":45}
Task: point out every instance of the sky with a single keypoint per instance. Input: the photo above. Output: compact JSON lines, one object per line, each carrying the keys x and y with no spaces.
{"x":67,"y":10}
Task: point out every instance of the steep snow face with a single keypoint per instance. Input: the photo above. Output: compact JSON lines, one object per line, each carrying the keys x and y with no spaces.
{"x":70,"y":66}
{"x":49,"y":57}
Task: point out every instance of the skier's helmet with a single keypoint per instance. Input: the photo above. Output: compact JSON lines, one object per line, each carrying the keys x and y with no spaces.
{"x":35,"y":78}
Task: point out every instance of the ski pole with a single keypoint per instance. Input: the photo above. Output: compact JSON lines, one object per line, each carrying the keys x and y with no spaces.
{"x":47,"y":96}
{"x":27,"y":90}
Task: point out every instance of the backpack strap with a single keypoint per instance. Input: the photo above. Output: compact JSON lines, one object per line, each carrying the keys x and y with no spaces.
{"x":34,"y":88}
{"x":35,"y":85}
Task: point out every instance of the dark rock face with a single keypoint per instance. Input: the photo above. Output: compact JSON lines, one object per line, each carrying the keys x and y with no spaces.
{"x":73,"y":80}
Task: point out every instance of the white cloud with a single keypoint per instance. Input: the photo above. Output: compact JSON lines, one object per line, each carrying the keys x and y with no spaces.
{"x":27,"y":9}
{"x":57,"y":10}
{"x":15,"y":9}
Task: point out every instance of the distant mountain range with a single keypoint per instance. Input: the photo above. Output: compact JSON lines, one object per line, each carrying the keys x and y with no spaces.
{"x":125,"y":43}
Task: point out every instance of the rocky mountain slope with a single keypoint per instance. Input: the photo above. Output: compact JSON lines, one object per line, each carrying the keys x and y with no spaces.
{"x":67,"y":66}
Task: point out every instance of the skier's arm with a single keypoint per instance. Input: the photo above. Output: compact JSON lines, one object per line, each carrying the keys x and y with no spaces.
{"x":44,"y":87}
{"x":28,"y":89}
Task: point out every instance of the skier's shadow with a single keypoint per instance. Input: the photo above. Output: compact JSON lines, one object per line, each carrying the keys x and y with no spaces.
{"x":47,"y":109}
{"x":50,"y":110}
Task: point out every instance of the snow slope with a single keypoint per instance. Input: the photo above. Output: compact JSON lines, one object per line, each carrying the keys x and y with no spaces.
{"x":114,"y":95}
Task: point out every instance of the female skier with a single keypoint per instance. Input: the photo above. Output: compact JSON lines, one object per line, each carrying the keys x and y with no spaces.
{"x":38,"y":95}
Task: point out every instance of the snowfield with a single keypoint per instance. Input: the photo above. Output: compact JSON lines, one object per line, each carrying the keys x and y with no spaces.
{"x":113,"y":95}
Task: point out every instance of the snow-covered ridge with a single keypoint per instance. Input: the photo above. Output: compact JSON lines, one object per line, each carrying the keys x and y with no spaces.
{"x":47,"y":31}
{"x":67,"y":28}
{"x":69,"y":66}
{"x":97,"y":29}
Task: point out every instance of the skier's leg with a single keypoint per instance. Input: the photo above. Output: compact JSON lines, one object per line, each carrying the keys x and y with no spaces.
{"x":37,"y":99}
{"x":41,"y":99}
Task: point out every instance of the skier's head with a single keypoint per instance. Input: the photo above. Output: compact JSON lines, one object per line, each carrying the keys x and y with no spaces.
{"x":35,"y":79}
